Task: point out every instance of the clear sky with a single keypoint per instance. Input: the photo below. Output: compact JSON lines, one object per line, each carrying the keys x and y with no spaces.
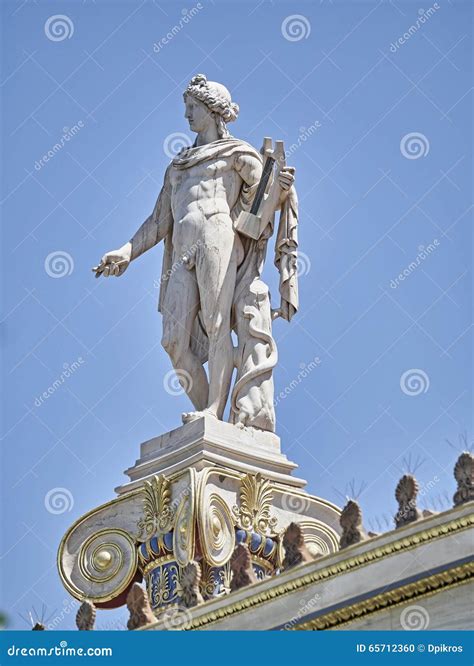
{"x":381,"y":127}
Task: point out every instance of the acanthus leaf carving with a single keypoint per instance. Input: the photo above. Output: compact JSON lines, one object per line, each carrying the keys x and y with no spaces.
{"x":158,"y":514}
{"x":256,"y":497}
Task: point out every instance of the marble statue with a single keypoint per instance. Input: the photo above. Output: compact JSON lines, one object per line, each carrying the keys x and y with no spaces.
{"x":215,"y":214}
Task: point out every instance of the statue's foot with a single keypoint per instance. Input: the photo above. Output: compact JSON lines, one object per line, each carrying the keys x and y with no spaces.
{"x":187,"y":417}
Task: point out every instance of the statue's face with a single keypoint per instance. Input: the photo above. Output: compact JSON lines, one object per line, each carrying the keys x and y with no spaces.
{"x":197,"y":114}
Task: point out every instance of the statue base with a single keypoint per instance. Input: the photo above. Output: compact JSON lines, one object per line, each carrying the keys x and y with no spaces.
{"x":194,"y":494}
{"x":207,"y":442}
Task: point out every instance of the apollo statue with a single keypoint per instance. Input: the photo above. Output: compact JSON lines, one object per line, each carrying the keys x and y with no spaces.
{"x":215,"y":214}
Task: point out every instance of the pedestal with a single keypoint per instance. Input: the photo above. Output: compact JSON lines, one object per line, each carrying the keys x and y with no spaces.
{"x":193,"y":494}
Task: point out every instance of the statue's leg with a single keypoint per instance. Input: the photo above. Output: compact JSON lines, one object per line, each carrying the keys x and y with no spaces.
{"x":216,"y":269}
{"x":180,"y":308}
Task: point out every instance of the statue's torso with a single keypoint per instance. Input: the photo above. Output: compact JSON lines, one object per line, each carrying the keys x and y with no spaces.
{"x":202,"y":197}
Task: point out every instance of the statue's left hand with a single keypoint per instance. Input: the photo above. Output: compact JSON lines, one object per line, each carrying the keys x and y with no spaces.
{"x":286,"y":179}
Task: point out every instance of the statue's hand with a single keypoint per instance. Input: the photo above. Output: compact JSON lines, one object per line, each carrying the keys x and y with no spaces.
{"x":115,"y":262}
{"x":286,"y":179}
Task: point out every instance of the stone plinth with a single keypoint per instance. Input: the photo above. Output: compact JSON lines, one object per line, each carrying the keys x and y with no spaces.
{"x":207,"y":443}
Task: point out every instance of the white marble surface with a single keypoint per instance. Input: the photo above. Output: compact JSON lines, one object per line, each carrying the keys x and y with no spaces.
{"x":212,"y":267}
{"x":207,"y":442}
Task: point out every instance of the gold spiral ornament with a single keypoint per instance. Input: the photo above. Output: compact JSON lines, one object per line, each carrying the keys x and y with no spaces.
{"x":217,"y":531}
{"x":107,"y":565}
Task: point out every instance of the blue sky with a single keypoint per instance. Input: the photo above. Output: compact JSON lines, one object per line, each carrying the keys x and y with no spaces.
{"x":337,"y":82}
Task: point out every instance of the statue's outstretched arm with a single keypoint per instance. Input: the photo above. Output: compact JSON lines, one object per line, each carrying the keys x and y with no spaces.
{"x":152,"y":231}
{"x":157,"y":225}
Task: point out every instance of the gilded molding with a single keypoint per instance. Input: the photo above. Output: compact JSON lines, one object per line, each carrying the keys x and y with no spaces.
{"x":184,"y":528}
{"x":363,"y":559}
{"x":159,"y":561}
{"x":390,"y":599}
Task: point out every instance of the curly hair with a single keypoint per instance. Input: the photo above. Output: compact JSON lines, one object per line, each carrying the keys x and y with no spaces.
{"x":217,"y":99}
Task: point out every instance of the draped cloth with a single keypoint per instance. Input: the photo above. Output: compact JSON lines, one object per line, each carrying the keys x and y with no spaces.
{"x":251,"y":317}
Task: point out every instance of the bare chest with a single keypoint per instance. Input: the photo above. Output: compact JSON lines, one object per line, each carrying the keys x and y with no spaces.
{"x":213,"y":178}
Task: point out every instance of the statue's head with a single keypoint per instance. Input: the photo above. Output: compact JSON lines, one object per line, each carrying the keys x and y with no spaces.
{"x":209,"y":102}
